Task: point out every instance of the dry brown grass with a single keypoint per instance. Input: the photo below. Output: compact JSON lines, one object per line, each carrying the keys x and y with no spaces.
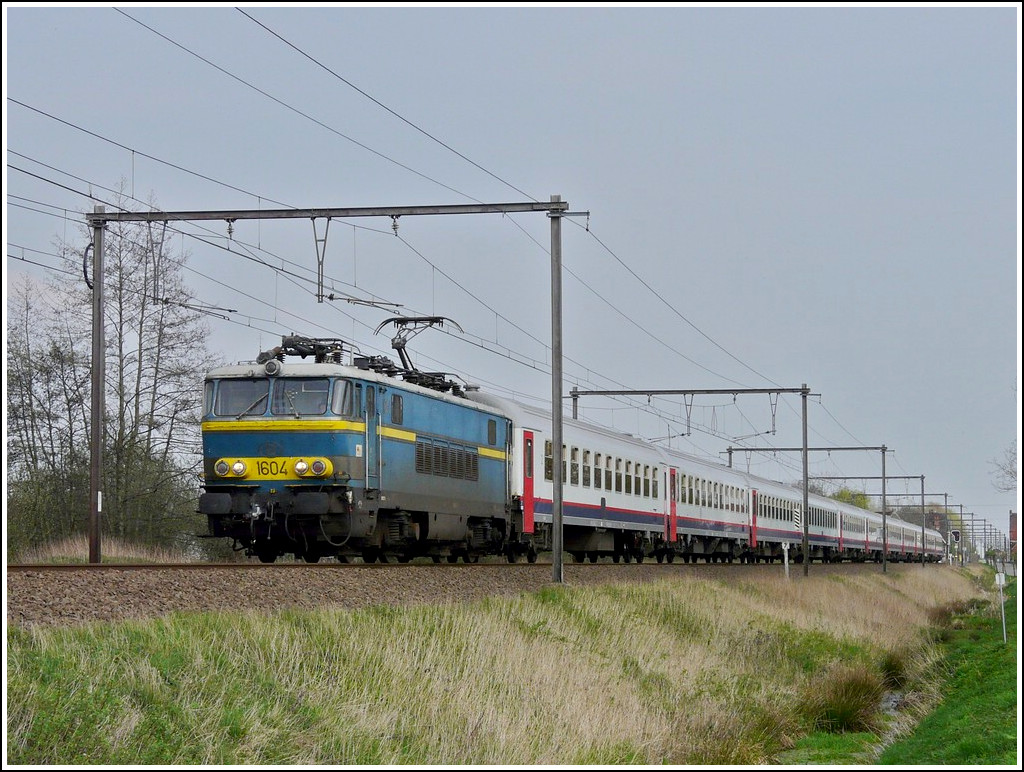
{"x":75,"y":549}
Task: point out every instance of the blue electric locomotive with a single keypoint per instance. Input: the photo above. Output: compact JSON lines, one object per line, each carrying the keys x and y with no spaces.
{"x":319,"y":458}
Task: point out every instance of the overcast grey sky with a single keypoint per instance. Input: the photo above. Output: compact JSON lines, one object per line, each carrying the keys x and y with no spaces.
{"x":776,"y":196}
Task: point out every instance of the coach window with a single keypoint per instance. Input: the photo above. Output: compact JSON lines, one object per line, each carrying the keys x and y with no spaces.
{"x":636,"y":478}
{"x":549,"y":461}
{"x":654,"y":482}
{"x":529,"y":459}
{"x":396,"y":409}
{"x":618,"y":475}
{"x":586,"y":468}
{"x":629,"y":477}
{"x":574,"y":470}
{"x":647,"y":480}
{"x":598,"y":471}
{"x":607,"y":473}
{"x":565,"y":464}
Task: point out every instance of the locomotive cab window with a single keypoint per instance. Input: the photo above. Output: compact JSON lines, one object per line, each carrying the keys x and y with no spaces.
{"x":492,"y":432}
{"x":341,"y":404}
{"x":207,"y":397}
{"x":397,"y":416}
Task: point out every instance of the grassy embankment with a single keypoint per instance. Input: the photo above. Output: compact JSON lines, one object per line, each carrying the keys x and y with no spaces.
{"x":680,"y":672}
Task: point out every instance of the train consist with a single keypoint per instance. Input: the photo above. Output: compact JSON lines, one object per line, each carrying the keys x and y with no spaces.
{"x":304,"y":455}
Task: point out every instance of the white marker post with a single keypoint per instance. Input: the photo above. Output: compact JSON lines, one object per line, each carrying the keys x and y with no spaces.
{"x":1000,"y":581}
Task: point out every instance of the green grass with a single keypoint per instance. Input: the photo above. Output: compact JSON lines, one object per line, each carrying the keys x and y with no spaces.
{"x":976,"y":722}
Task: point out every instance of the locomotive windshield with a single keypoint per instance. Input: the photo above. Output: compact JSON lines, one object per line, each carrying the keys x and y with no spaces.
{"x":238,"y":397}
{"x":300,"y":396}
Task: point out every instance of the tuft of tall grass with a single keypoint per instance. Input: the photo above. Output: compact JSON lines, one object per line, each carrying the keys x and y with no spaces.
{"x":846,"y":698}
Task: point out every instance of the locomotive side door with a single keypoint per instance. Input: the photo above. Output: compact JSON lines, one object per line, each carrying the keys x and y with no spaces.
{"x":372,"y":438}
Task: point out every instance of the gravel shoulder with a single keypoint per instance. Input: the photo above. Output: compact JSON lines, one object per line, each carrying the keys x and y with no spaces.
{"x":70,"y":597}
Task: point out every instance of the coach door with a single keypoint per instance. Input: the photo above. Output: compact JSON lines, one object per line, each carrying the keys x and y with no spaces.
{"x":527,"y":482}
{"x":753,"y":518}
{"x":670,"y":524}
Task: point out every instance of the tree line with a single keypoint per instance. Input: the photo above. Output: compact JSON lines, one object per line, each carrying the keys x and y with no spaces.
{"x":156,"y":355}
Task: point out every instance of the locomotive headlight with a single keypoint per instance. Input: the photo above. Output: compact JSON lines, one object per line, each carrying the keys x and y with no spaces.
{"x":238,"y":468}
{"x":221,"y":468}
{"x":319,"y":467}
{"x":301,"y":467}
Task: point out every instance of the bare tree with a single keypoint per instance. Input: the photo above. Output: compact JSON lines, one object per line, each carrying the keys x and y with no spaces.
{"x":1006,"y":469}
